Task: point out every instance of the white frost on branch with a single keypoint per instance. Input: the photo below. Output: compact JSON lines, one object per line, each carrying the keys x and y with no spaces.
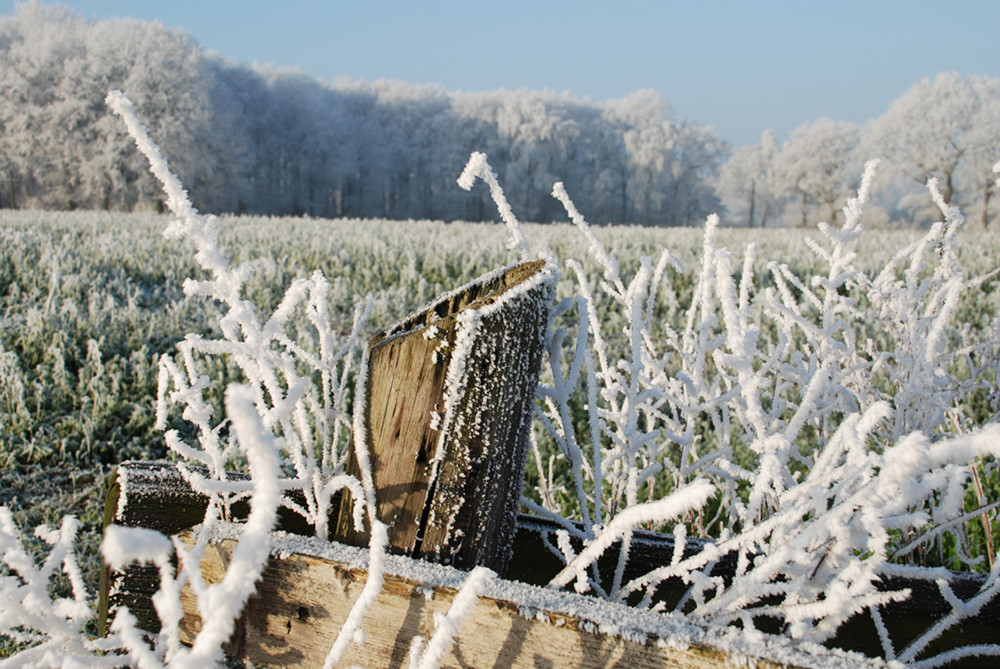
{"x":52,"y":628}
{"x":219,"y":604}
{"x":478,"y":167}
{"x":447,"y":625}
{"x":280,"y":398}
{"x":692,"y":496}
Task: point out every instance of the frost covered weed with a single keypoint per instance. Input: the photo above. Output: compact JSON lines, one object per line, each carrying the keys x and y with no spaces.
{"x":830,"y":413}
{"x":50,"y":630}
{"x":289,"y":421}
{"x":298,"y":388}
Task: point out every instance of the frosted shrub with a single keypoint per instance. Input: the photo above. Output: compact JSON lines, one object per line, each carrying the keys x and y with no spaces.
{"x":829,"y":413}
{"x":293,"y":403}
{"x":50,"y":628}
{"x":53,"y":628}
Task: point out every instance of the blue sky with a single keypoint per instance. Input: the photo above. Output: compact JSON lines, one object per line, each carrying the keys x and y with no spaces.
{"x":740,"y":67}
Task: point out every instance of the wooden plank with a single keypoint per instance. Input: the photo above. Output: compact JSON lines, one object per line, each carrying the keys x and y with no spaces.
{"x":448,"y":409}
{"x":303,"y":599}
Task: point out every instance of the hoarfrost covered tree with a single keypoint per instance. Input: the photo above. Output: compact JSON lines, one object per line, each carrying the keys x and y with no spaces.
{"x":819,"y":164}
{"x":984,"y":148}
{"x":412,"y":144}
{"x":749,"y":179}
{"x":939,"y":128}
{"x":300,"y":146}
{"x":61,"y":149}
{"x":645,"y":138}
{"x":667,"y":164}
{"x":696,"y":154}
{"x":299,"y":137}
{"x":535,"y":131}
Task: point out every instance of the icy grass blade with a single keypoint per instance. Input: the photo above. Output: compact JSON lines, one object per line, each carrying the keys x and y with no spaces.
{"x":277,"y":399}
{"x":224,"y":601}
{"x":378,"y":543}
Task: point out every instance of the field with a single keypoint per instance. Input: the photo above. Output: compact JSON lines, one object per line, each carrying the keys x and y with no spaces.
{"x":91,"y":301}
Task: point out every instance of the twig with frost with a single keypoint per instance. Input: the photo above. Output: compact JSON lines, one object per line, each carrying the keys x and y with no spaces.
{"x":781,"y":393}
{"x":629,"y":426}
{"x":55,"y":627}
{"x":692,"y":496}
{"x":378,"y":541}
{"x":447,"y":625}
{"x":221,"y":603}
{"x":478,"y":167}
{"x":309,"y":419}
{"x":52,"y":628}
{"x":917,"y":312}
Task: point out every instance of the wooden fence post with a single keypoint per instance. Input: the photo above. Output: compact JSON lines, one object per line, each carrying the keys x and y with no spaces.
{"x":449,"y":403}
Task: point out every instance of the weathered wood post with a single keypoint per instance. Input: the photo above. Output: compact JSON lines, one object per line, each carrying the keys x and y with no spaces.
{"x":449,"y":403}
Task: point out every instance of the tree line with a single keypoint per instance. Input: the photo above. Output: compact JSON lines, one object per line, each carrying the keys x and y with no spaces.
{"x":256,"y":139}
{"x":947,"y":128}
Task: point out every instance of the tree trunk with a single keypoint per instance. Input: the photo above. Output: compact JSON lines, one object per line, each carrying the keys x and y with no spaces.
{"x":949,"y":188}
{"x":986,"y":202}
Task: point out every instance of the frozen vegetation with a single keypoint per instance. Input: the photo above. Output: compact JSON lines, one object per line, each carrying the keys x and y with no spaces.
{"x":826,"y":417}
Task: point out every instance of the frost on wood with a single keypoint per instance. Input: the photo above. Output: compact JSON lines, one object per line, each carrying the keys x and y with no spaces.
{"x":448,"y":410}
{"x":320,"y":579}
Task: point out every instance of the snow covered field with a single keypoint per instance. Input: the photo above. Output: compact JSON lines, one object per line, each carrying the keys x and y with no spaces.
{"x":822,"y":405}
